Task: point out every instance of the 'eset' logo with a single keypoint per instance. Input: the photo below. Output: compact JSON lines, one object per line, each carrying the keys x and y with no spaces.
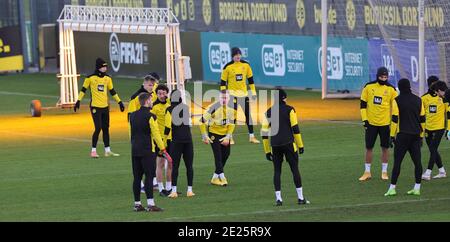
{"x":335,"y":65}
{"x":219,"y":55}
{"x":273,"y":60}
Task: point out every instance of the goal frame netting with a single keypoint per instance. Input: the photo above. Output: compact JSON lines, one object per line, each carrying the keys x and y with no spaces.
{"x":324,"y":45}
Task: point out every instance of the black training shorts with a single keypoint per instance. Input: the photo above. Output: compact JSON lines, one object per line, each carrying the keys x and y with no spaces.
{"x":371,"y":136}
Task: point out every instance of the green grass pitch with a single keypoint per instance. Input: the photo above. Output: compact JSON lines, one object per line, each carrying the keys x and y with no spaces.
{"x":46,"y":173}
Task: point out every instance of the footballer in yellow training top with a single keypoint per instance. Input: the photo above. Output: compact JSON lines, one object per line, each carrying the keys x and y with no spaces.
{"x":436,"y":119}
{"x":233,"y":78}
{"x":99,"y":84}
{"x":376,"y":105}
{"x":216,"y":126}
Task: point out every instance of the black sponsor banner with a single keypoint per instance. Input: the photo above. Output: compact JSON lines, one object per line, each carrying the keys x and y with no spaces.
{"x":346,"y":18}
{"x":132,"y":54}
{"x":351,"y":18}
{"x":10,"y":41}
{"x":255,"y":16}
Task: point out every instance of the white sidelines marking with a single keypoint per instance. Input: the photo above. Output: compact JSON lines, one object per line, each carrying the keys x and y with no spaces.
{"x":74,"y":139}
{"x":46,"y":136}
{"x":40,"y":95}
{"x":21,"y":179}
{"x":333,"y":121}
{"x":27,"y":94}
{"x":307,"y":209}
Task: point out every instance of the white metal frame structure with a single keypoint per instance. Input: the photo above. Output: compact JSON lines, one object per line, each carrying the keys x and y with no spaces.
{"x":156,"y":21}
{"x":323,"y":60}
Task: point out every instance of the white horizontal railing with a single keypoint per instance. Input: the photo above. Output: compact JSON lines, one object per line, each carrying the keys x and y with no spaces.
{"x":117,"y":15}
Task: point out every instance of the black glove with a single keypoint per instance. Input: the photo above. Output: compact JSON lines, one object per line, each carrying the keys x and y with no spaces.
{"x":366,"y":124}
{"x":301,"y":150}
{"x":166,"y":156}
{"x":269,"y":156}
{"x":392,"y":142}
{"x":122,"y":108}
{"x":77,"y":106}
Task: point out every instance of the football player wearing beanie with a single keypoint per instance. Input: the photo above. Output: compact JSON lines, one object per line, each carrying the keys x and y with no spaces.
{"x":281,"y":125}
{"x":407,"y":131}
{"x":376,"y":104}
{"x":234,"y":78}
{"x":100,"y":84}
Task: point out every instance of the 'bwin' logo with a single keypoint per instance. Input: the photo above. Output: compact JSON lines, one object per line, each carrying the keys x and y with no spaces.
{"x":126,"y":52}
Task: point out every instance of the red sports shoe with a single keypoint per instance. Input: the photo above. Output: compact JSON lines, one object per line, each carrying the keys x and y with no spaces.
{"x":94,"y":154}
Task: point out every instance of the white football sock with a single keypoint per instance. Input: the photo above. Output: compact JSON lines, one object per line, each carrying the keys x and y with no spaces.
{"x":154,"y":181}
{"x":278,"y":195}
{"x":160,"y":186}
{"x":94,"y":149}
{"x":428,"y":172}
{"x":151,"y":202}
{"x":108,"y":149}
{"x":417,"y":186}
{"x":299,"y":192}
{"x":442,"y":170}
{"x":221,"y":175}
{"x":392,"y":186}
{"x":168,"y":185}
{"x":137,"y":203}
{"x":384,"y":167}
{"x":215,"y":176}
{"x":189,"y":189}
{"x":174,"y":189}
{"x":142,"y":185}
{"x":367,"y":165}
{"x":251,"y":135}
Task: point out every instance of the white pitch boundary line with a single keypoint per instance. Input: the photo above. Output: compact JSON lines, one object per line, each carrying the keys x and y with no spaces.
{"x":50,"y":96}
{"x":46,"y":136}
{"x":74,"y":139}
{"x":38,"y":95}
{"x":27,"y":94}
{"x":22,"y":179}
{"x":201,"y":165}
{"x":306,"y":209}
{"x":78,"y":140}
{"x":333,"y":121}
{"x":88,"y":140}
